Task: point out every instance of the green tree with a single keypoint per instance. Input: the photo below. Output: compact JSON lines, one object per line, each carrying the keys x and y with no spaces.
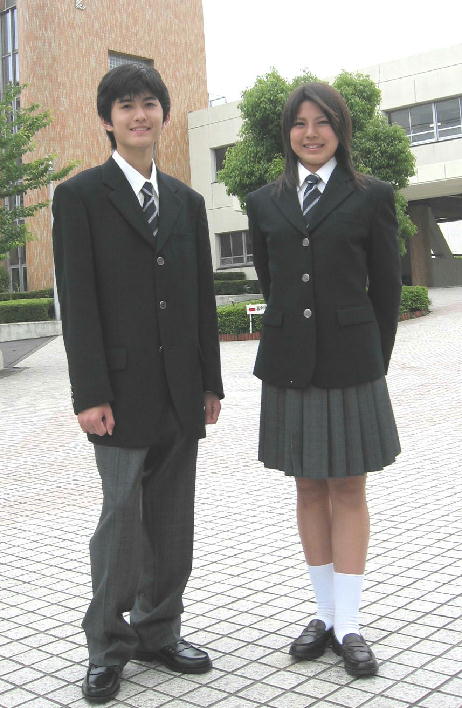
{"x":18,"y":125}
{"x":378,"y":148}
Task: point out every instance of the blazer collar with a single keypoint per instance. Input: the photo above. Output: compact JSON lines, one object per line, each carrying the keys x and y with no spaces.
{"x":125,"y":201}
{"x":338,"y":188}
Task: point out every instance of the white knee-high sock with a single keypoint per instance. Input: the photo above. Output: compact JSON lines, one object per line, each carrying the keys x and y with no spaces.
{"x":347,"y":598}
{"x":322,"y":580}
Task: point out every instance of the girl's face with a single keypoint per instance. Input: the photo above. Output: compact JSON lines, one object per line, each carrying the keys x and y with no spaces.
{"x":312,"y":137}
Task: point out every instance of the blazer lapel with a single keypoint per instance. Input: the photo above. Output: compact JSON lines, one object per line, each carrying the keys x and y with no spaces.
{"x":287,"y":202}
{"x":169,"y":208}
{"x":125,"y":200}
{"x":338,"y":188}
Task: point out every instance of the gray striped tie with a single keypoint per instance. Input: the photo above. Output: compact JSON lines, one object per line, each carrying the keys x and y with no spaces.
{"x":311,"y":195}
{"x":149,"y":207}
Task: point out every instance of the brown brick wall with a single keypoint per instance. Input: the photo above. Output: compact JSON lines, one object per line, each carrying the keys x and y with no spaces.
{"x":63,"y":53}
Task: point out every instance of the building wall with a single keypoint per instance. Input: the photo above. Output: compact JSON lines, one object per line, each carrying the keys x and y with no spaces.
{"x":208,"y":129}
{"x":63,"y":54}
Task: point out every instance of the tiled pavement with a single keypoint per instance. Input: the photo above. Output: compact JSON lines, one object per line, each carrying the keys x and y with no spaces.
{"x":248,"y":595}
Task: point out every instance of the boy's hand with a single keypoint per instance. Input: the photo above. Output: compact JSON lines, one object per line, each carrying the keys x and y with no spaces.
{"x":212,"y":407}
{"x":97,"y":420}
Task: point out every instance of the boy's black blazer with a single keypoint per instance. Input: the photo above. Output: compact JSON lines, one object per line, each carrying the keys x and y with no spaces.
{"x":332,"y":289}
{"x":139,"y":315}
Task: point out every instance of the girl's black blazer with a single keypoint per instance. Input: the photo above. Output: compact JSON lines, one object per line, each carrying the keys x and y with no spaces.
{"x":332,"y":288}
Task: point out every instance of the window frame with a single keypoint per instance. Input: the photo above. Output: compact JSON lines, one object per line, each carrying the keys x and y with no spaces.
{"x":247,"y":255}
{"x":437,"y":132}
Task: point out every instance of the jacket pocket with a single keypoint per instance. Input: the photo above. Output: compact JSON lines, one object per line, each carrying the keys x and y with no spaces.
{"x":272,"y":318}
{"x":116,"y":358}
{"x":355,"y":315}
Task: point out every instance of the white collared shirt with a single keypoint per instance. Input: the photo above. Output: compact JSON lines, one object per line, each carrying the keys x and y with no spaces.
{"x":323,"y":172}
{"x":136,"y":179}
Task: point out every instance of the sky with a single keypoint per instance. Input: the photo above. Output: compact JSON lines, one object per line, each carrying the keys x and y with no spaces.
{"x":246,"y":38}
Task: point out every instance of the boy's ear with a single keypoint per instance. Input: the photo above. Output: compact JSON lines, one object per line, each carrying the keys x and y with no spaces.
{"x":166,"y":120}
{"x":106,"y":126}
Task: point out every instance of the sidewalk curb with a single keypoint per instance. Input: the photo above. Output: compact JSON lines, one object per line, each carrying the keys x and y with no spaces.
{"x":14,"y":331}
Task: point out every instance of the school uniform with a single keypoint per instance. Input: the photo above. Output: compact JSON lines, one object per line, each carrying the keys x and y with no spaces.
{"x":332,"y":288}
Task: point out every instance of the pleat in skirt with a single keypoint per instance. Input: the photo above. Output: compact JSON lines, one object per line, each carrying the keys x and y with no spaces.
{"x":323,"y":433}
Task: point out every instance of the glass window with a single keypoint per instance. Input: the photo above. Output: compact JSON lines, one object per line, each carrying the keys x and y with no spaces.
{"x":422,"y":123}
{"x":219,"y":154}
{"x":116,"y":59}
{"x":234,"y":249}
{"x":448,"y":118}
{"x":401,"y":118}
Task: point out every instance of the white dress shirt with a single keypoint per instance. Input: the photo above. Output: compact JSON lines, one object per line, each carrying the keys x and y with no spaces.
{"x":323,"y":172}
{"x":137,"y":180}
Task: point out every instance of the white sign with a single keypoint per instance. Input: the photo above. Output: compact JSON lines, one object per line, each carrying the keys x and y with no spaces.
{"x":255,"y":310}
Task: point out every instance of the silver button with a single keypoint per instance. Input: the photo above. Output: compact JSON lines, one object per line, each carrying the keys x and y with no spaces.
{"x":291,"y":381}
{"x":161,"y":349}
{"x":306,"y":242}
{"x":307,"y":313}
{"x":162,"y":304}
{"x":305,"y":277}
{"x":160,"y":260}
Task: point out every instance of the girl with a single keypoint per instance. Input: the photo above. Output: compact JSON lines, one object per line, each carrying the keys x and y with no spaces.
{"x":327,"y":258}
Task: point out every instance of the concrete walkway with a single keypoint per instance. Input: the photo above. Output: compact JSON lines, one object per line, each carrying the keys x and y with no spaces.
{"x":249,"y":594}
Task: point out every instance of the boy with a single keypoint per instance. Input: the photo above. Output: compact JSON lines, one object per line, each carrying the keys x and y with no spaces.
{"x":135,"y":283}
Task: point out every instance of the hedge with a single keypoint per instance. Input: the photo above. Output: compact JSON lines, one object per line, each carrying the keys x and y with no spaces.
{"x":35,"y":310}
{"x":233,"y":319}
{"x":228,"y":275}
{"x":236,"y":287}
{"x":414,"y":298}
{"x":28,"y":295}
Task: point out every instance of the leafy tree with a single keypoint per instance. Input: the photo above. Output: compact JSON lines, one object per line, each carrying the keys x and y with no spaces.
{"x":378,"y":148}
{"x":18,"y":125}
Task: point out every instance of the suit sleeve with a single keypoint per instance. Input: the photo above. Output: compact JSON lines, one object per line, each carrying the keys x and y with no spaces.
{"x":78,"y":297}
{"x":260,"y":251}
{"x":208,"y":326}
{"x":384,"y":268}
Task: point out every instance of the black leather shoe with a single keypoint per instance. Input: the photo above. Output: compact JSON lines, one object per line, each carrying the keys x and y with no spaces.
{"x":358,"y":657}
{"x":182,"y":657}
{"x":101,"y":683}
{"x":312,"y":641}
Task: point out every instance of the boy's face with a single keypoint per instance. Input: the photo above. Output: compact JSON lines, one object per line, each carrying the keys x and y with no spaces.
{"x":136,"y":123}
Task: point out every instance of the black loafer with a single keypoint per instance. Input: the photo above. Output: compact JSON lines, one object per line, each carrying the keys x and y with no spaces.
{"x":312,"y":642}
{"x":182,"y":657}
{"x":101,"y":683}
{"x":358,"y":657}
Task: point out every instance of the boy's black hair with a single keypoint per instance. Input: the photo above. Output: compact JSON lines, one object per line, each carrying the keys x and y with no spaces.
{"x":129,"y":80}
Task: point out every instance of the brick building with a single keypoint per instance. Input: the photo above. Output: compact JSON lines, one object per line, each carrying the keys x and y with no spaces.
{"x":61,"y":50}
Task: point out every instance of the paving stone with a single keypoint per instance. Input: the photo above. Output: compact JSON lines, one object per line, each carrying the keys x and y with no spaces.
{"x":249,"y":592}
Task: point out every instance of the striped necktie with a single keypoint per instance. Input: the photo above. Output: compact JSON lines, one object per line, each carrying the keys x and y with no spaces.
{"x":311,"y":195}
{"x":149,"y":207}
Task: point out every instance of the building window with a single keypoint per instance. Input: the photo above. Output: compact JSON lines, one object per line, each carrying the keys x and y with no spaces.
{"x":235,"y":249}
{"x":430,"y":122}
{"x":17,"y":268}
{"x":9,"y":46}
{"x":219,"y":155}
{"x":116,"y":59}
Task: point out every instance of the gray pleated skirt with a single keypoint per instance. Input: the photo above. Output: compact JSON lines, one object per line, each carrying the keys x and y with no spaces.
{"x":322,"y":433}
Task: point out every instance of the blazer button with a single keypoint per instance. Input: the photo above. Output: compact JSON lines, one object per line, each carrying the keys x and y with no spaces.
{"x":160,"y":260}
{"x":306,"y":242}
{"x":307,"y":313}
{"x":162,"y":304}
{"x":305,"y":277}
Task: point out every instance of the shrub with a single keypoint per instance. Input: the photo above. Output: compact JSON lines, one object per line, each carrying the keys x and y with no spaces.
{"x":413,"y":298}
{"x":35,"y":310}
{"x":27,"y":295}
{"x":236,"y":287}
{"x":233,"y":319}
{"x":4,"y":279}
{"x":228,"y":275}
